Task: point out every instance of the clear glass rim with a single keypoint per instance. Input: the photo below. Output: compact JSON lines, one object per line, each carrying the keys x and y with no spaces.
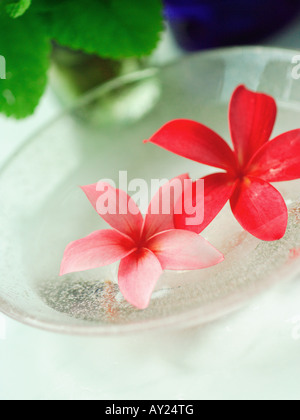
{"x":191,"y":317}
{"x":141,"y":74}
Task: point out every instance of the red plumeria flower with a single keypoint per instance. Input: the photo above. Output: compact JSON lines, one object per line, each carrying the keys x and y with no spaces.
{"x":255,"y":162}
{"x":145,"y":247}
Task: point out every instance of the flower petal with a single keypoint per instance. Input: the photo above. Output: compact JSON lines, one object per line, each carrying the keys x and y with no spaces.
{"x":160,"y":216}
{"x":218,"y":188}
{"x":260,"y":209}
{"x":115,"y":207}
{"x":138,"y":275}
{"x":195,"y":141}
{"x":96,"y":250}
{"x":183,"y":250}
{"x":252,"y":117}
{"x":279,"y":159}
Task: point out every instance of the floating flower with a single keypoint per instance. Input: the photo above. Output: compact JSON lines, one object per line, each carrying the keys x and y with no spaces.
{"x":145,"y":247}
{"x":249,"y":169}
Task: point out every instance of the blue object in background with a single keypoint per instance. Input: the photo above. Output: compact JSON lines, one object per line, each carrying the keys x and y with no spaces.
{"x":202,"y":24}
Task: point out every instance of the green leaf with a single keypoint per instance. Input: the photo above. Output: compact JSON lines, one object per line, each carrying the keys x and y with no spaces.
{"x":49,"y":5}
{"x":109,"y":28}
{"x":17,"y":8}
{"x":25,"y":48}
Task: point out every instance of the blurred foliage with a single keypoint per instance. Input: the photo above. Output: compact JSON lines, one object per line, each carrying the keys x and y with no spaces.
{"x":16,"y":9}
{"x":113,"y":29}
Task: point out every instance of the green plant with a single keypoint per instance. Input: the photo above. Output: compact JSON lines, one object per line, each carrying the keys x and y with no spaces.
{"x":109,"y":28}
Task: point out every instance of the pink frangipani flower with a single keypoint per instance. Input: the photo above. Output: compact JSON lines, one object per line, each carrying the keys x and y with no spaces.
{"x":145,"y":247}
{"x":249,"y":169}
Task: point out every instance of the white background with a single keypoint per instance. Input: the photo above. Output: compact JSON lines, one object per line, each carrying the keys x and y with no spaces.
{"x":252,"y":354}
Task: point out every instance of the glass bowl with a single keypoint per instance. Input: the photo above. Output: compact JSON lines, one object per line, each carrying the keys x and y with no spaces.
{"x":42,"y":209}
